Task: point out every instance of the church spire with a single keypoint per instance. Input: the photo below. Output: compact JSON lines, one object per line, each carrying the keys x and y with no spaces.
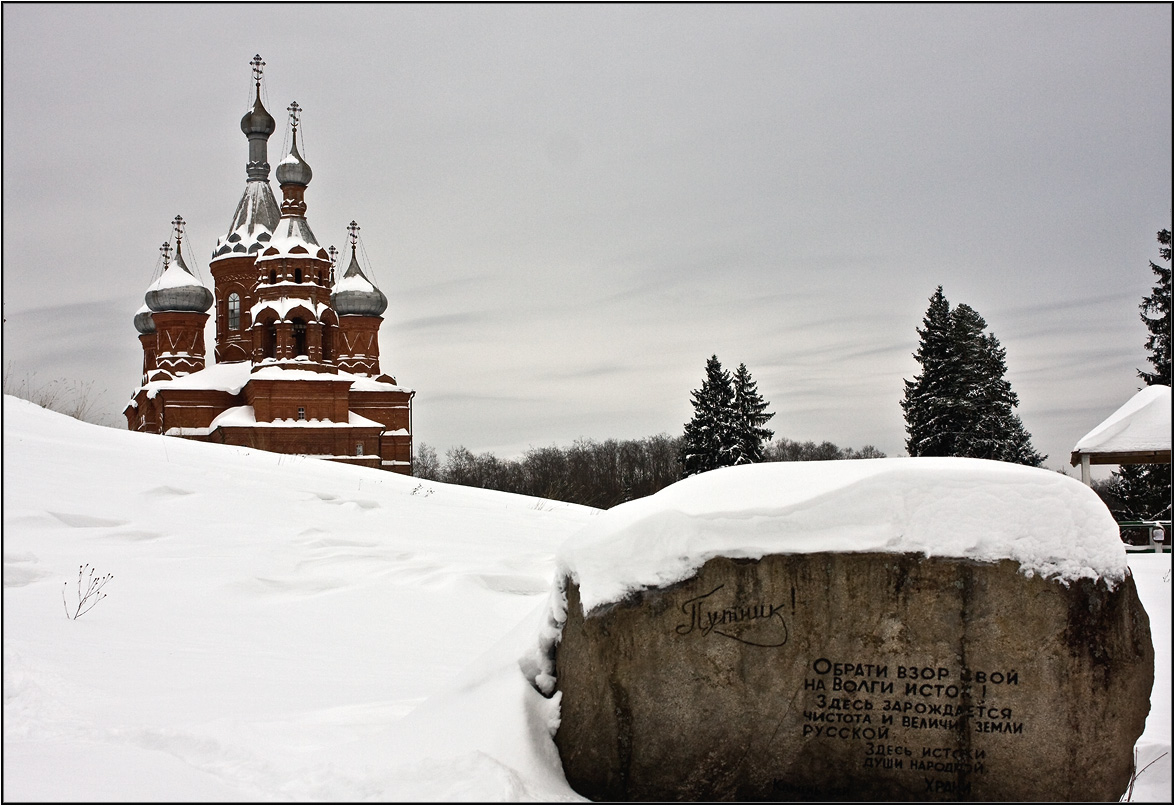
{"x":177,"y":289}
{"x":354,"y":294}
{"x":258,"y":125}
{"x":293,"y":170}
{"x":257,"y":213}
{"x":293,"y":173}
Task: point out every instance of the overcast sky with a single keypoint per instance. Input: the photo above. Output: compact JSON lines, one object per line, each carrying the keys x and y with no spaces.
{"x":571,"y":207}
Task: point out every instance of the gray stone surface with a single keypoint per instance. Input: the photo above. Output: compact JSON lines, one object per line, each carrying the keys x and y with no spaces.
{"x":856,"y":677}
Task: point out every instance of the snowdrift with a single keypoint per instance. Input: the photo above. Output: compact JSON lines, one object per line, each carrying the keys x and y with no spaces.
{"x":283,"y":628}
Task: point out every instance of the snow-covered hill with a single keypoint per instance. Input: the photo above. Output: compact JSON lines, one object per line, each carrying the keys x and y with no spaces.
{"x":270,"y":623}
{"x":280,"y":628}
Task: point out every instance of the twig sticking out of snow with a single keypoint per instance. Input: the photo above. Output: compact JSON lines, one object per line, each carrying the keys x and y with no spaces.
{"x":93,"y":594}
{"x":1126,"y":798}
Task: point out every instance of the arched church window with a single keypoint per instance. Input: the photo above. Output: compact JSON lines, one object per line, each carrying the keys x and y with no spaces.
{"x":297,"y":275}
{"x":234,"y":311}
{"x":299,"y":337}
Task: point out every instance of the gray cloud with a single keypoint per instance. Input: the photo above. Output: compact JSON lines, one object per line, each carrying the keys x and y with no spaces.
{"x":571,"y":207}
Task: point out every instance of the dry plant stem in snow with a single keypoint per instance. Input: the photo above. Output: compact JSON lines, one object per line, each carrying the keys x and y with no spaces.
{"x":1129,"y":795}
{"x":92,"y":595}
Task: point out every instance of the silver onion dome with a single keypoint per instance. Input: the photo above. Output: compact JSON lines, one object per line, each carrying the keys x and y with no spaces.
{"x":144,"y":323}
{"x":257,"y":120}
{"x":355,"y":295}
{"x":178,"y":290}
{"x":293,"y":170}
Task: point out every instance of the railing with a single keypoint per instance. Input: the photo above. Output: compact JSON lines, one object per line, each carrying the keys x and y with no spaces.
{"x":1146,"y":535}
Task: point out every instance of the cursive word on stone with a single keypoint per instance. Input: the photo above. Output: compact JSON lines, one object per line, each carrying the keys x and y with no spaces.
{"x":757,"y":624}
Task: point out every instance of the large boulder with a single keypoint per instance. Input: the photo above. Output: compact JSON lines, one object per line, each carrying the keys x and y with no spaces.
{"x":881,"y":673}
{"x":856,"y":677}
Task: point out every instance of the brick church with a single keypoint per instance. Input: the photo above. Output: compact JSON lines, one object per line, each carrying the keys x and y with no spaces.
{"x":297,"y":364}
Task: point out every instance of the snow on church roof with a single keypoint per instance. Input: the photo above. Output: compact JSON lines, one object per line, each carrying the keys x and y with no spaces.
{"x":292,"y":238}
{"x":973,"y":509}
{"x":283,"y":305}
{"x":359,"y":383}
{"x":229,"y":378}
{"x":245,"y":415}
{"x":175,"y":275}
{"x":253,"y":223}
{"x":232,"y":377}
{"x":354,"y":282}
{"x":1141,"y":426}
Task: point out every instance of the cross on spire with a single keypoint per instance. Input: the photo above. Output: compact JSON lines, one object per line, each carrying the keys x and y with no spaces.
{"x":257,"y":68}
{"x":294,"y":111}
{"x":353,"y":234}
{"x":165,"y":250}
{"x":333,"y":254}
{"x":178,"y":224}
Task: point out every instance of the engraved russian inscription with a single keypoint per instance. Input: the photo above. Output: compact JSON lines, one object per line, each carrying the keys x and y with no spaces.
{"x":754,"y":623}
{"x":854,"y":677}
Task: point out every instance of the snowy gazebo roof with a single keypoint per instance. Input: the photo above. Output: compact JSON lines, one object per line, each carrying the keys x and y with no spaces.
{"x":1137,"y":433}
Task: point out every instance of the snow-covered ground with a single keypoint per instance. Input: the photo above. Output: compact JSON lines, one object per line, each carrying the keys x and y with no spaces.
{"x":280,"y":628}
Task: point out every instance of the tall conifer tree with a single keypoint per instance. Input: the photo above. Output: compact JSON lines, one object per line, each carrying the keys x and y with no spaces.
{"x":931,"y":403}
{"x":1144,"y":491}
{"x":750,"y":415}
{"x":1158,"y":302}
{"x":961,"y":404}
{"x":709,"y":441}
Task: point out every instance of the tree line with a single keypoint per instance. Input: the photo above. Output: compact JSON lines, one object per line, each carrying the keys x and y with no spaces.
{"x":597,"y":474}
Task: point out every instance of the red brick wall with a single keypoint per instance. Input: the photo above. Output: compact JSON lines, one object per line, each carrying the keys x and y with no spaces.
{"x":234,"y":274}
{"x":179,"y":332}
{"x":274,"y":399}
{"x":328,"y":441}
{"x":358,"y":344}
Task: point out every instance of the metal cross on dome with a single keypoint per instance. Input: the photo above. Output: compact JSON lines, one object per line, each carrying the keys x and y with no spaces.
{"x":165,"y":250}
{"x":294,"y":111}
{"x":353,"y":233}
{"x":257,"y":65}
{"x":178,"y":224}
{"x":333,"y":257}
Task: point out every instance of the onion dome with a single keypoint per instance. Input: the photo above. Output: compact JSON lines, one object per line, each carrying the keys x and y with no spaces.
{"x":177,"y":289}
{"x":257,"y":120}
{"x":354,"y":294}
{"x":293,"y":170}
{"x":144,"y":322}
{"x":257,"y":124}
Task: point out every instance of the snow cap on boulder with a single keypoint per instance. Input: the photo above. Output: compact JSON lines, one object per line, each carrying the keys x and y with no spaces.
{"x":974,"y":509}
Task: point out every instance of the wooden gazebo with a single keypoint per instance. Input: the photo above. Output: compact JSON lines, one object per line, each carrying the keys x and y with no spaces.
{"x":1138,"y":433}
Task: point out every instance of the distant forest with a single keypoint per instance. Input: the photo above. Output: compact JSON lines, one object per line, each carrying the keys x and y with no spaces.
{"x":598,"y":474}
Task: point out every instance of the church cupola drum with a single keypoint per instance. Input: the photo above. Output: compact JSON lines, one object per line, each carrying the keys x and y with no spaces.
{"x":296,"y":366}
{"x":360,"y":306}
{"x":178,"y":305}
